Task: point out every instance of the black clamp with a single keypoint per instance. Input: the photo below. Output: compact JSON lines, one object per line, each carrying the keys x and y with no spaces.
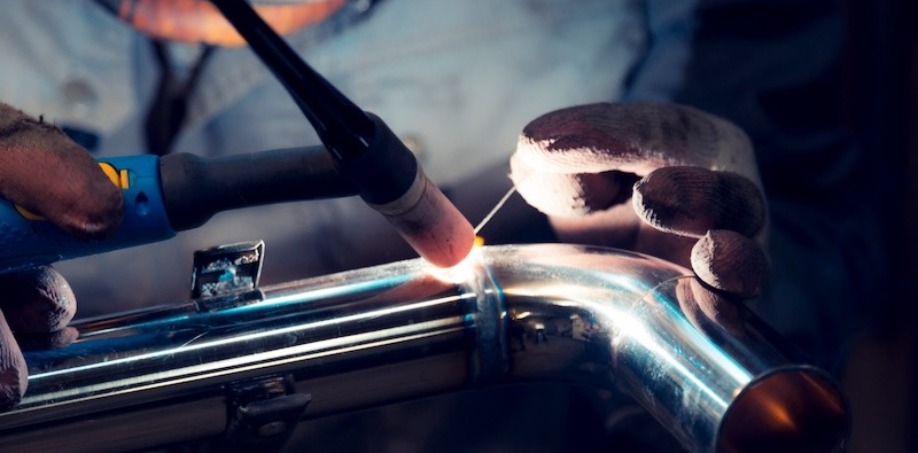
{"x":262,"y":414}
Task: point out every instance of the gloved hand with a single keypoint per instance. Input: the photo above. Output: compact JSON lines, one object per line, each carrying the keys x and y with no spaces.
{"x":665,"y":180}
{"x":43,"y":171}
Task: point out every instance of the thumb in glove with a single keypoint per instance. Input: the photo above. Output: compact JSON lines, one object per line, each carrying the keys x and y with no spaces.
{"x":44,"y":171}
{"x":37,"y":304}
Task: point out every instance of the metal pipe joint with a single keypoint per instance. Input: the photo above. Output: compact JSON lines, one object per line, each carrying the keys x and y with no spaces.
{"x":405,"y":330}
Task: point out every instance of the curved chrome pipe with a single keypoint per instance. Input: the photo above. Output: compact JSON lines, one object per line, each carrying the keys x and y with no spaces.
{"x":400,"y":331}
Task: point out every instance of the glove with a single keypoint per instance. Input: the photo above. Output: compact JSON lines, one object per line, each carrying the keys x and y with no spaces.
{"x":691,"y":179}
{"x":46,"y":173}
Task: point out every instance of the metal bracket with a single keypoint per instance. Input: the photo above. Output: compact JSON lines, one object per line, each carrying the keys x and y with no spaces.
{"x":227,"y":269}
{"x":227,"y":276}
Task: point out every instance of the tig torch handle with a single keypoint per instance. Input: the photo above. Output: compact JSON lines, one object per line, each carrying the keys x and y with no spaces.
{"x":174,"y":193}
{"x":27,"y":240}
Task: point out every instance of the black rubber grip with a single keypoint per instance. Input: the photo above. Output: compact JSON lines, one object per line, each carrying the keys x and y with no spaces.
{"x":195,"y":188}
{"x":385,"y":171}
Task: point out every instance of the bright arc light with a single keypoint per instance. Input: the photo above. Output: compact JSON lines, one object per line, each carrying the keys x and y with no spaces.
{"x":462,"y":272}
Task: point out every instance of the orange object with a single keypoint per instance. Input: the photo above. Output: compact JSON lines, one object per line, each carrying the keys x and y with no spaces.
{"x":199,"y":21}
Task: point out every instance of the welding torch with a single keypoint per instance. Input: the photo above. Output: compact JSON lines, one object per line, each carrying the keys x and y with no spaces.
{"x":385,"y":173}
{"x":182,"y":191}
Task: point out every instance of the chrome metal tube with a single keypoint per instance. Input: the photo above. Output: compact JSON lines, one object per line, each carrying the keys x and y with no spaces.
{"x":400,"y":331}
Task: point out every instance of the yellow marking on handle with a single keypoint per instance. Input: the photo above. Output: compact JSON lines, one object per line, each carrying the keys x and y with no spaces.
{"x":28,"y":215}
{"x":119,"y":178}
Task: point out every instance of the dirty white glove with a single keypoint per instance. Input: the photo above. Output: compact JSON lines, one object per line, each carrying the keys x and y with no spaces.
{"x":45,"y":172}
{"x":661,"y":179}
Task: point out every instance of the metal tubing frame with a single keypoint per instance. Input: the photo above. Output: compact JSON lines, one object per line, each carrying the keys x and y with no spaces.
{"x":402,"y":331}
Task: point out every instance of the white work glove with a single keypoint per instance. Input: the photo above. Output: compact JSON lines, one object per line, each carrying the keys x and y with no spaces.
{"x":661,"y":179}
{"x":45,"y":172}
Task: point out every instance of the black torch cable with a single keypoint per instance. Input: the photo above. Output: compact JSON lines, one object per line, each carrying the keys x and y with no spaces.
{"x":344,"y":128}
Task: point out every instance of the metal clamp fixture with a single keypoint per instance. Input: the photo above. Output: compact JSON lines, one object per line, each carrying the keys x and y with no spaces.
{"x":262,"y":413}
{"x":227,"y":275}
{"x":227,"y":269}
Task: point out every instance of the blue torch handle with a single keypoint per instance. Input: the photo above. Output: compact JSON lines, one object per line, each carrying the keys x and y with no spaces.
{"x":27,"y":241}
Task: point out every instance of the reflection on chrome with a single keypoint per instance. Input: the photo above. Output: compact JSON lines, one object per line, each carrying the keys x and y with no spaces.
{"x":372,"y":336}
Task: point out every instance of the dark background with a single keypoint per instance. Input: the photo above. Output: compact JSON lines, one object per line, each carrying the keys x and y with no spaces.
{"x":882,"y":111}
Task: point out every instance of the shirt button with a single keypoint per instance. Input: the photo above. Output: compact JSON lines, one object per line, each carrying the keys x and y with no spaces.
{"x":79,"y":98}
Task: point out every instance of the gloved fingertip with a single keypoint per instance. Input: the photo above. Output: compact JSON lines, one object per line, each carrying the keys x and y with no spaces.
{"x":49,"y":340}
{"x":100,"y":218}
{"x":37,"y":300}
{"x":68,"y":187}
{"x":730,"y":262}
{"x":718,"y":307}
{"x":13,"y":383}
{"x":94,"y":206}
{"x":703,"y":307}
{"x":14,"y":378}
{"x":689,"y":201}
{"x":562,"y":166}
{"x":570,"y":195}
{"x":741,"y":205}
{"x":672,"y":201}
{"x":572,"y":133}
